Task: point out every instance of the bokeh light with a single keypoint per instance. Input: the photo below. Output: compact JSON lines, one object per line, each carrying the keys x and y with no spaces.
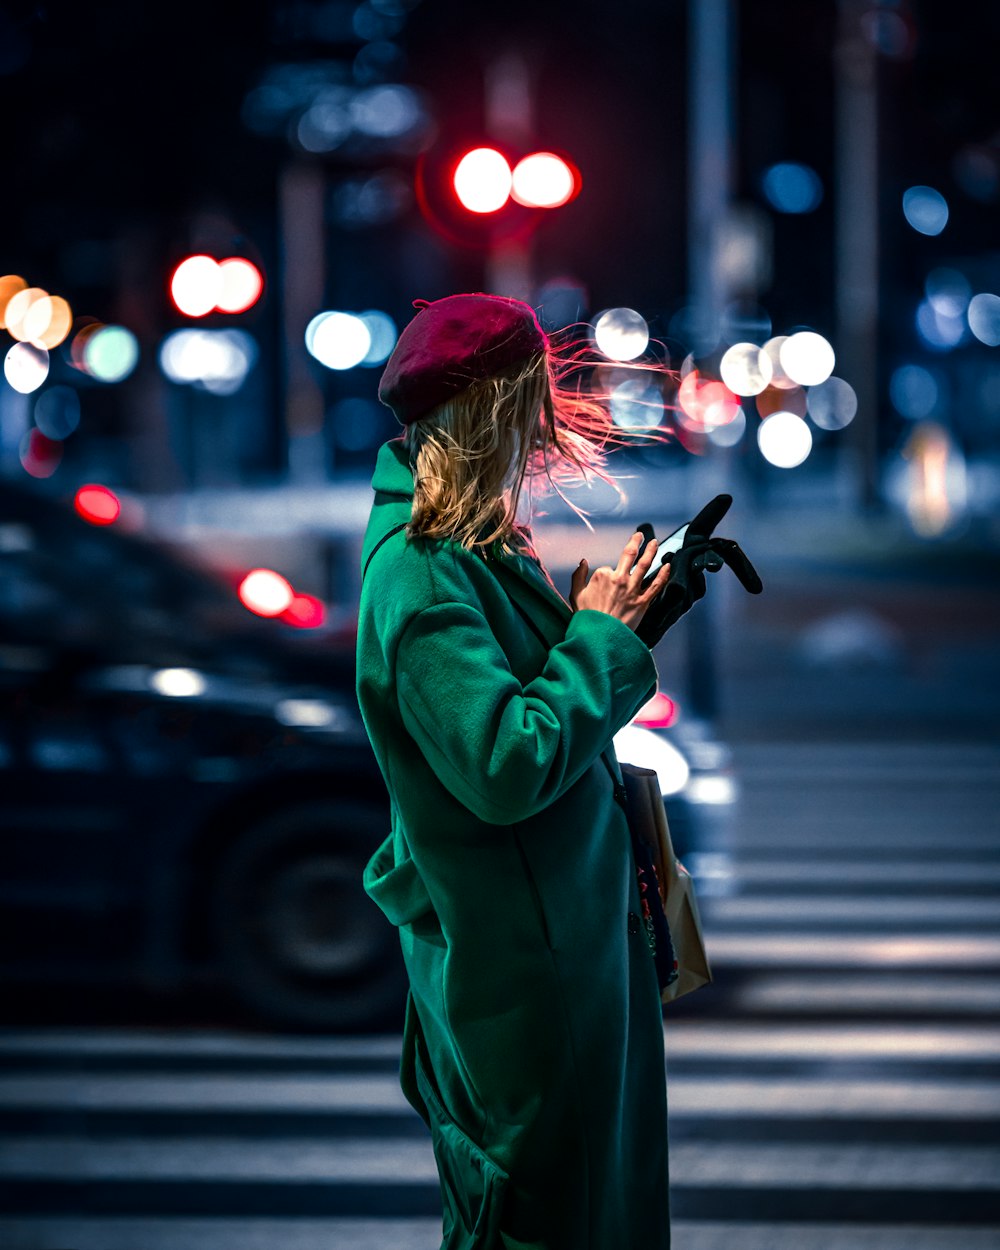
{"x":621,"y":334}
{"x":784,"y":439}
{"x":339,"y":340}
{"x":382,"y":332}
{"x":807,"y":358}
{"x":242,"y":284}
{"x":26,"y":367}
{"x":97,"y":504}
{"x":39,"y":455}
{"x":57,"y":411}
{"x":779,"y":378}
{"x":746,"y":369}
{"x":914,"y":392}
{"x":659,"y":712}
{"x":217,"y":361}
{"x":774,"y":399}
{"x":832,"y":404}
{"x":196,"y":286}
{"x":88,"y":327}
{"x":265,"y":592}
{"x":543,"y":180}
{"x":10,"y":284}
{"x":948,"y":291}
{"x":729,"y":435}
{"x":705,"y":403}
{"x":984,"y":318}
{"x":936,"y":485}
{"x":386,"y":110}
{"x":178,"y":683}
{"x":49,"y":321}
{"x":636,"y":402}
{"x":18,"y":311}
{"x":111,"y":354}
{"x":304,"y":612}
{"x":940,"y":330}
{"x":925,"y":209}
{"x":791,"y":187}
{"x":483,"y":180}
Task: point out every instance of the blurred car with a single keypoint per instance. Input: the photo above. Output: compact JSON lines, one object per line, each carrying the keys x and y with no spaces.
{"x":187,"y":792}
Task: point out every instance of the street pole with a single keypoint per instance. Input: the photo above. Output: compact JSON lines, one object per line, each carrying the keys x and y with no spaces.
{"x":303,"y":265}
{"x":855,"y":65}
{"x":711,"y":37}
{"x":509,"y":113}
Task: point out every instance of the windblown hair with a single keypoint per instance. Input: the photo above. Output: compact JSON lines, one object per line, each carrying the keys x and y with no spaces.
{"x":542,"y":418}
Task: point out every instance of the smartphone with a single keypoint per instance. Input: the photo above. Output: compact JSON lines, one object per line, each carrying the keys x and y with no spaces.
{"x":665,"y":548}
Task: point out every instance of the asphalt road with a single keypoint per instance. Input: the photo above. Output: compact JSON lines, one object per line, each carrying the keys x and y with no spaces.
{"x":837,"y":1086}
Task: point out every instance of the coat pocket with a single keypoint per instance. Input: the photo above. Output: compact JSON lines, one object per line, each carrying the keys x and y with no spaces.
{"x":397,"y":888}
{"x":472,"y":1184}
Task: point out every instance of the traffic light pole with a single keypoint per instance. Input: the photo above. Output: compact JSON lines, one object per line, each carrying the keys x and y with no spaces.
{"x":710,"y":145}
{"x":509,"y":113}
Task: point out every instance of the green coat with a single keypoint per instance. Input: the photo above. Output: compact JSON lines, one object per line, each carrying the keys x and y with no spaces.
{"x":533,"y":1042}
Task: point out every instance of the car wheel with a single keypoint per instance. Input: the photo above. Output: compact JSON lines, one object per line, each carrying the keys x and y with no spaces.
{"x":298,"y":939}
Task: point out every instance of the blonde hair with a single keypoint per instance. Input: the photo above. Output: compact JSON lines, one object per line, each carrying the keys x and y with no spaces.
{"x":472,"y":454}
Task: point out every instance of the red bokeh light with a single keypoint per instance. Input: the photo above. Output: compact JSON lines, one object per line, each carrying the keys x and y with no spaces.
{"x":97,"y":504}
{"x":40,"y":456}
{"x":304,"y":612}
{"x":660,"y":712}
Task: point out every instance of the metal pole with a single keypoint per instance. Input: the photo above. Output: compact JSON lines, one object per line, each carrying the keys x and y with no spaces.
{"x":855,"y":66}
{"x":711,"y":31}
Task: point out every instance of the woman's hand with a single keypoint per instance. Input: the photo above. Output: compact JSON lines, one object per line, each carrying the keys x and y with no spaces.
{"x":618,"y":591}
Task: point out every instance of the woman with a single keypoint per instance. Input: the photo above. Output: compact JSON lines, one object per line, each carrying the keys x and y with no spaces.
{"x":533,"y":1043}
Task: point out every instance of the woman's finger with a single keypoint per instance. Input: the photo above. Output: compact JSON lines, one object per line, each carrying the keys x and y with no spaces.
{"x":627,"y":558}
{"x":646,"y":559}
{"x":660,"y":579}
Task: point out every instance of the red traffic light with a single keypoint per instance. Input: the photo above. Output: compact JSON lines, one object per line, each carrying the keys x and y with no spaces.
{"x":483,"y":180}
{"x":200,"y":285}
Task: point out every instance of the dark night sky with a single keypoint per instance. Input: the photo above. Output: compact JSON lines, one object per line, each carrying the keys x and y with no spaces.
{"x":127,"y":116}
{"x":123,"y":126}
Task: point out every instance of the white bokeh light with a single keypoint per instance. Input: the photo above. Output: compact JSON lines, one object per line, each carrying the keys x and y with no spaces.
{"x":196,"y":285}
{"x":214,"y":360}
{"x":265,"y":592}
{"x":341,"y":341}
{"x":26,"y":367}
{"x":784,"y":439}
{"x":746,"y":369}
{"x":621,"y":334}
{"x":807,"y":358}
{"x":772,"y":349}
{"x":177,"y":683}
{"x":382,"y":333}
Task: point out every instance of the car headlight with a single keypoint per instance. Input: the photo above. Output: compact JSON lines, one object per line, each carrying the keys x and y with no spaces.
{"x":649,"y":750}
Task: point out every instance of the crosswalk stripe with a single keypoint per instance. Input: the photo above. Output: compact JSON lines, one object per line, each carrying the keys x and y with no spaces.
{"x":810,"y":910}
{"x":310,"y":1096}
{"x":944,"y":952}
{"x":301,"y":1160}
{"x":297,"y":1233}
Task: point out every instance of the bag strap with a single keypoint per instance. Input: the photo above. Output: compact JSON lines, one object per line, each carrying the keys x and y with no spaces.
{"x":389,"y":533}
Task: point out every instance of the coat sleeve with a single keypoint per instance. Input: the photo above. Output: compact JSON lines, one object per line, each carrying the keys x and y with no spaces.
{"x":504,"y":750}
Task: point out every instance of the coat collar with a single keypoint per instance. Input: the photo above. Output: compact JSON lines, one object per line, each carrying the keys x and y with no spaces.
{"x":393,"y":476}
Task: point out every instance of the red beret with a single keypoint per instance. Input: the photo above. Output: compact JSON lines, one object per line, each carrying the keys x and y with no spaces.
{"x":451,"y":344}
